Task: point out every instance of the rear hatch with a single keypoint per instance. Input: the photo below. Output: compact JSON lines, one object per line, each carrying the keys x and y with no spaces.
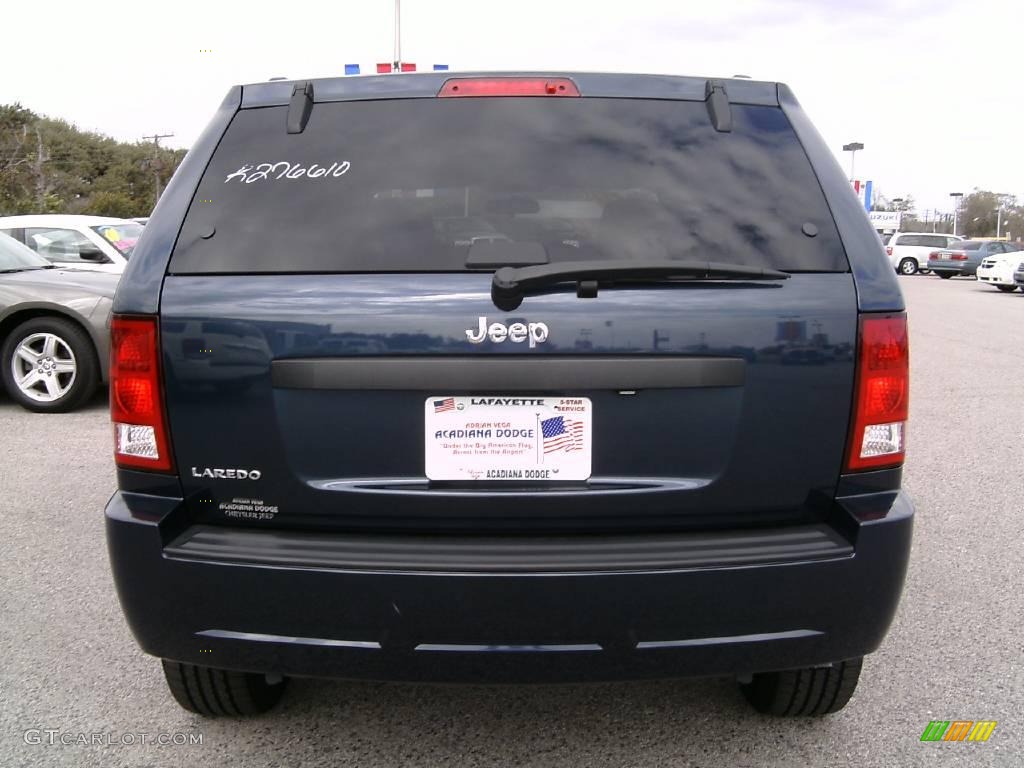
{"x":334,"y":357}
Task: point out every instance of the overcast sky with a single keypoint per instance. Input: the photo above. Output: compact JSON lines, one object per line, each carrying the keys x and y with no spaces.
{"x":935,"y":114}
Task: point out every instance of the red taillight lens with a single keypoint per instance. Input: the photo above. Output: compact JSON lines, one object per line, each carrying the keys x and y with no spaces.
{"x":882,"y":395}
{"x":509,"y":86}
{"x":933,"y":255}
{"x":136,"y":398}
{"x":888,"y":250}
{"x":959,"y":256}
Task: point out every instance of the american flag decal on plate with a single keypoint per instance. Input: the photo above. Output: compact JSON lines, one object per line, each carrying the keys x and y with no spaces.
{"x":509,"y":438}
{"x":562,"y":434}
{"x":441,"y":406}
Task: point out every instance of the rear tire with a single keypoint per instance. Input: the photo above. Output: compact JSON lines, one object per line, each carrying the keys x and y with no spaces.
{"x":945,"y":275}
{"x":813,"y":691}
{"x":908,"y":267}
{"x":1007,"y":288}
{"x":49,"y":365}
{"x":220,"y":693}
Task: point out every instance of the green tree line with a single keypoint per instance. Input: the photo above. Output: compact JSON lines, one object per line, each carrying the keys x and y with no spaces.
{"x":50,"y":166}
{"x":981,"y":214}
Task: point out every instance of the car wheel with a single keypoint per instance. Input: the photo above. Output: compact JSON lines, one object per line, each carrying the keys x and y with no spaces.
{"x":908,"y":266}
{"x":220,"y":693}
{"x":49,"y":365}
{"x":812,"y":691}
{"x":945,"y":275}
{"x":1007,"y":288}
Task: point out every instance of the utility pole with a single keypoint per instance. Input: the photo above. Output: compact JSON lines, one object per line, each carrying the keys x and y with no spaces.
{"x":37,"y":167}
{"x":155,"y":163}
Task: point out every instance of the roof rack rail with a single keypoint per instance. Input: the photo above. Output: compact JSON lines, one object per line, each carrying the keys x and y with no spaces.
{"x":300,"y":106}
{"x":717,"y":102}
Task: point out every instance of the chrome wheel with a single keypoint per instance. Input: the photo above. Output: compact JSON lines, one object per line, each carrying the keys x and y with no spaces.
{"x":908,"y":267}
{"x":43,"y":367}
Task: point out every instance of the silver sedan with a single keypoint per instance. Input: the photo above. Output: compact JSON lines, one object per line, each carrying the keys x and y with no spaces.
{"x":54,"y":337}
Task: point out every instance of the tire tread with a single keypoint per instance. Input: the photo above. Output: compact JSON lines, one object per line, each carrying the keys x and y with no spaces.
{"x":220,"y":693}
{"x":813,"y":691}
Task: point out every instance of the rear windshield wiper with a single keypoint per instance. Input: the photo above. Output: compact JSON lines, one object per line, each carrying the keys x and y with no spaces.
{"x":511,"y":284}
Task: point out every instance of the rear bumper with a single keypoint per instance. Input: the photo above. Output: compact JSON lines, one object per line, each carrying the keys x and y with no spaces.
{"x":686,"y":605}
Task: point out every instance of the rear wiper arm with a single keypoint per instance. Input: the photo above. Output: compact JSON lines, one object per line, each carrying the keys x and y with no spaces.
{"x":511,"y":284}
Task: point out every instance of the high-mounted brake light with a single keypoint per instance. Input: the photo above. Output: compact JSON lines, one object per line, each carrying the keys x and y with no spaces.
{"x":509,"y":86}
{"x":136,"y":397}
{"x":881,"y":394}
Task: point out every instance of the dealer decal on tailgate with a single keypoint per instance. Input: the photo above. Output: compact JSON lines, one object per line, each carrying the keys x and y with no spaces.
{"x":507,"y":438}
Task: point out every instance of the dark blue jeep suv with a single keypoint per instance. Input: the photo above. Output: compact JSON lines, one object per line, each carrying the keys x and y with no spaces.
{"x":509,"y":377}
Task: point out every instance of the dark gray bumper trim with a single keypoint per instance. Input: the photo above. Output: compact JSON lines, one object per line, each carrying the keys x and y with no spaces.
{"x":508,"y":554}
{"x":506,"y":373}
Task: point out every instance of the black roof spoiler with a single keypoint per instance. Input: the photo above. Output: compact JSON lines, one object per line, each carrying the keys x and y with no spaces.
{"x":717,"y":102}
{"x":300,"y":106}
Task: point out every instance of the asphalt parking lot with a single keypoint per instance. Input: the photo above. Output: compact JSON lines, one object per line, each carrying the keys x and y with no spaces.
{"x":956,"y":651}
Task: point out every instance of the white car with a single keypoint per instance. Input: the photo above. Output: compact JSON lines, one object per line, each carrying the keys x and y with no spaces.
{"x":94,"y":243}
{"x":998,"y":271}
{"x":908,"y":251}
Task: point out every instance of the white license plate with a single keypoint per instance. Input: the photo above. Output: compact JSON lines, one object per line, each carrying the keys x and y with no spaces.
{"x":488,"y":438}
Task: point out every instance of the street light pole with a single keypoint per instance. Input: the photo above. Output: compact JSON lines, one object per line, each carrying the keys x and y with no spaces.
{"x":852,"y":148}
{"x":957,"y":196}
{"x":398,"y":36}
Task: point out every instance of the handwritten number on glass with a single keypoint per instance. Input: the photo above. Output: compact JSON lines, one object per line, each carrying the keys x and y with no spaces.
{"x":249,"y":174}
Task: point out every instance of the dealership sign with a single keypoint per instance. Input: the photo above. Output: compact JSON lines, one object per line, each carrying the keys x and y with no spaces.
{"x":885,"y":219}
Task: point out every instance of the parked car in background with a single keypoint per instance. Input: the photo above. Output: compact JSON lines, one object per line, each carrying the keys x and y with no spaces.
{"x":1018,"y":276}
{"x":965,"y":257}
{"x":998,"y":271}
{"x":908,"y":251}
{"x":94,"y":243}
{"x":54,"y":342}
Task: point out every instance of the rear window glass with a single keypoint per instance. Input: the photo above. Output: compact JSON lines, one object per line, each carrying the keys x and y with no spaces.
{"x":413,"y":185}
{"x":966,"y":245}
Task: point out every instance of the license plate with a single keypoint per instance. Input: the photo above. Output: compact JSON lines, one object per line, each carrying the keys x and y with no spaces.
{"x":496,"y":439}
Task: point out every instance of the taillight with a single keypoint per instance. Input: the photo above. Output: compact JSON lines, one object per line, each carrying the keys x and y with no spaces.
{"x":959,"y":256}
{"x":888,"y":250}
{"x":882,"y":394}
{"x":933,"y":255}
{"x":509,"y":86}
{"x":136,"y":397}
